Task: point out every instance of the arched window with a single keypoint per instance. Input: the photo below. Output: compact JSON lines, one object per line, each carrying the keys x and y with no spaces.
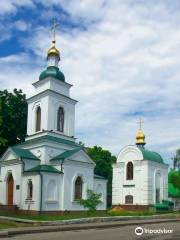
{"x":60,"y":119}
{"x":30,"y":190}
{"x":129,"y":171}
{"x":78,"y":188}
{"x":157,"y":187}
{"x":38,"y":119}
{"x":51,"y":190}
{"x":128,"y":199}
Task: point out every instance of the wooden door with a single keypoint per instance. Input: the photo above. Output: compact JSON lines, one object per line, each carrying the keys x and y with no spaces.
{"x":10,"y":188}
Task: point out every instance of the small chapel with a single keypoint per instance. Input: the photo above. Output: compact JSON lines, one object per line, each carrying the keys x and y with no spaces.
{"x":50,"y":171}
{"x":140,"y":177}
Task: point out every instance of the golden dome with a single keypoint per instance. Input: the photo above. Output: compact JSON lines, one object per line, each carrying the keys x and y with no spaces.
{"x":53,"y":51}
{"x":140,"y":138}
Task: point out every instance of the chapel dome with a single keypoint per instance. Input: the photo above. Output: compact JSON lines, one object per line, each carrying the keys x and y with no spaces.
{"x":53,"y":72}
{"x":140,"y":138}
{"x":53,"y":51}
{"x":151,"y":156}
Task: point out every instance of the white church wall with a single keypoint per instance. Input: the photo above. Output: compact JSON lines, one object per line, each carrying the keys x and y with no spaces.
{"x":52,"y":84}
{"x":100,"y":186}
{"x":71,"y":172}
{"x":32,"y":107}
{"x":117,"y":183}
{"x":28,"y":164}
{"x":56,"y":101}
{"x":52,"y":192}
{"x":16,"y":170}
{"x":162,"y":169}
{"x":34,"y":203}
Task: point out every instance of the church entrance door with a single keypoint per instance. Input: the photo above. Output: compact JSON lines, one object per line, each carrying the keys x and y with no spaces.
{"x":10,"y":188}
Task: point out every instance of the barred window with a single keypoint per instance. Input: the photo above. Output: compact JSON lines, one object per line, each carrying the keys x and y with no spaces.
{"x":78,"y":189}
{"x":30,"y":190}
{"x":129,"y":199}
{"x":129,"y":171}
{"x":60,"y":119}
{"x":38,"y":119}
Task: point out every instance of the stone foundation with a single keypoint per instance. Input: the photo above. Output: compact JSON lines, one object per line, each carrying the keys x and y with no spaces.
{"x":133,"y":207}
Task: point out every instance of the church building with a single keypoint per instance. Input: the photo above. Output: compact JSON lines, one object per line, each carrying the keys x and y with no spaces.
{"x":140,"y":177}
{"x":49,"y":171}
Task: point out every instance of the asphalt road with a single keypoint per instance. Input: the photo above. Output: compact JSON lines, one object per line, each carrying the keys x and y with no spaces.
{"x":119,"y":233}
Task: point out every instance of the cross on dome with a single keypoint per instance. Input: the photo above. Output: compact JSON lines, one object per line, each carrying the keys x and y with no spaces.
{"x":55,"y":24}
{"x":140,"y":138}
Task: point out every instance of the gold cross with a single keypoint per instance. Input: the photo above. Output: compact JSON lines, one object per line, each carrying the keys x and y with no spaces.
{"x":53,"y":29}
{"x":140,"y":123}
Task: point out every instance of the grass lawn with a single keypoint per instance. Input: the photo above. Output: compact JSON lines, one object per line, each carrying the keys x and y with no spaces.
{"x":4,"y":224}
{"x":67,"y":216}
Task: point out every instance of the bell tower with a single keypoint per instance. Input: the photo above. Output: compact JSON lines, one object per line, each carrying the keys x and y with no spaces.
{"x":51,"y":109}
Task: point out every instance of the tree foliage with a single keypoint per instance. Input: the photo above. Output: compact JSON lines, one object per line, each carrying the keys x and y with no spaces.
{"x":104,"y":160}
{"x":175,"y":179}
{"x":176,"y":160}
{"x":92,"y":201}
{"x":13,"y":116}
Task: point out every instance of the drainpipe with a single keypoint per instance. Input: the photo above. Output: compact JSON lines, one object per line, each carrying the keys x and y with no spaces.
{"x":22,"y":164}
{"x":41,"y":176}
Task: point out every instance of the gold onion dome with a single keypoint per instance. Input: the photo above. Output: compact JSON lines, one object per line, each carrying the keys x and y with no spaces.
{"x":140,"y":138}
{"x":53,"y":51}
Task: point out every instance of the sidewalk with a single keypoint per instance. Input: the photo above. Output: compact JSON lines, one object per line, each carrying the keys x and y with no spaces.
{"x":81,"y":226}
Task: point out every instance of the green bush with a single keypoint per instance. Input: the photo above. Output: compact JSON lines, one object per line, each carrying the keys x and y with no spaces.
{"x":92,"y":201}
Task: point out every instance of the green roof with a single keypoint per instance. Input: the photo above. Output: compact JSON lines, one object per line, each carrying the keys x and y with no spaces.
{"x":173,"y":192}
{"x":99,"y":177}
{"x":50,"y":138}
{"x":152,"y":156}
{"x":24,"y":153}
{"x":44,"y":168}
{"x":66,"y":154}
{"x":52,"y":72}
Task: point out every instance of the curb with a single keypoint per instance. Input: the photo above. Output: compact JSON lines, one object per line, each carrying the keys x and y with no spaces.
{"x":43,"y":229}
{"x":88,"y":220}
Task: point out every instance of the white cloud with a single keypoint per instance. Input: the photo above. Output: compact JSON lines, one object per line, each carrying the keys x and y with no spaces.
{"x":126,"y":64}
{"x":11,"y":6}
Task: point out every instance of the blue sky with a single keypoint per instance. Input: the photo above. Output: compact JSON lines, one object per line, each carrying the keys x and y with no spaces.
{"x":122,"y":56}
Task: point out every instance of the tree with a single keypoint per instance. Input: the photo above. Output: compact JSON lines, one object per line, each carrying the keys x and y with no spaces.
{"x":175,"y":179}
{"x":13,"y":115}
{"x":92,"y":201}
{"x":104,"y":160}
{"x":176,"y":160}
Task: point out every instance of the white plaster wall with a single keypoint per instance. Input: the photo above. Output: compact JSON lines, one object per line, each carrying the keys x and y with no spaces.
{"x":153,"y":168}
{"x":56,"y":101}
{"x":136,"y":187}
{"x":28,"y":163}
{"x":49,"y":108}
{"x":54,"y":85}
{"x":70,"y":174}
{"x":16,"y":170}
{"x":117,"y":183}
{"x":32,"y":107}
{"x":49,"y":204}
{"x":100,"y":186}
{"x":33,"y":204}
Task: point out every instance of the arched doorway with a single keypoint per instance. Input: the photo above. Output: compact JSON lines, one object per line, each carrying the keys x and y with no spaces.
{"x":10,"y":189}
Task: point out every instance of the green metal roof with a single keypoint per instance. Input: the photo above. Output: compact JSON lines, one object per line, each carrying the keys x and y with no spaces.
{"x":50,"y":138}
{"x":66,"y":154}
{"x":99,"y":177}
{"x":44,"y":168}
{"x":152,"y":156}
{"x":24,"y":153}
{"x":52,"y":72}
{"x":173,"y":192}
